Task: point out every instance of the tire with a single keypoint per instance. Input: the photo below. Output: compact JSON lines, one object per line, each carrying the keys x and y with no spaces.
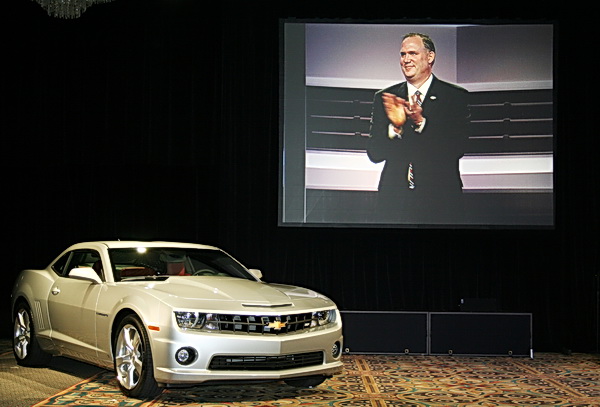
{"x":133,"y":360}
{"x":26,"y":348}
{"x":305,"y":382}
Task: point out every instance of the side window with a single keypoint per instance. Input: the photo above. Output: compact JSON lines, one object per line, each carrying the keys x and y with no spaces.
{"x":87,"y":258}
{"x":79,"y":258}
{"x":60,"y":266}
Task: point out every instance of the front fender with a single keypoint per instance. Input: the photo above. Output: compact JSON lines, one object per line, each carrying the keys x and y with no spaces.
{"x":119,"y":301}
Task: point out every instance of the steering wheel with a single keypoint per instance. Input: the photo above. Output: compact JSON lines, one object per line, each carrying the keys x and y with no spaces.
{"x":204,"y":272}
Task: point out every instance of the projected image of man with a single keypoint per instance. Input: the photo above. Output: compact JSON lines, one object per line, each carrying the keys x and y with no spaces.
{"x":418,"y":127}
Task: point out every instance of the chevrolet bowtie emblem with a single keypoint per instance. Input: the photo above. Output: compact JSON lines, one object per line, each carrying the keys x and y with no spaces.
{"x":276,"y":325}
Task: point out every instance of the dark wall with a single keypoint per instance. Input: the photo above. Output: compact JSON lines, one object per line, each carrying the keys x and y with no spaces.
{"x":159,"y":120}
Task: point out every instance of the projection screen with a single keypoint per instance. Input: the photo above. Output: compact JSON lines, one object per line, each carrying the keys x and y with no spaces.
{"x":504,"y":167}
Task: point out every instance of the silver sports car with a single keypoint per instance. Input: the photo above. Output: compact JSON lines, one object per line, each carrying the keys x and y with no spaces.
{"x":173,"y":314}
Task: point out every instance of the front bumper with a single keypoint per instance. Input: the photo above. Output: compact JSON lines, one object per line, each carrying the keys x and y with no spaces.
{"x":167,"y":371}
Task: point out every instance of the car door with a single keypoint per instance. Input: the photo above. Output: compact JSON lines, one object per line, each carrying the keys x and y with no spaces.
{"x":72,"y":308}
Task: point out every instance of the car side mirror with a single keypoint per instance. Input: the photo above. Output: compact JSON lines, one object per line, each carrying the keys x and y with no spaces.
{"x":85,"y":273}
{"x":256,"y":273}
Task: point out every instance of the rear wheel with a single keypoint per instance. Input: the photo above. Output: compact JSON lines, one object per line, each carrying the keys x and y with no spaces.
{"x":26,"y":348}
{"x":133,"y":360}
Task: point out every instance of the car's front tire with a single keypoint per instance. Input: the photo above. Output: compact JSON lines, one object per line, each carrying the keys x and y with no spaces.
{"x":133,"y":360}
{"x":26,"y":348}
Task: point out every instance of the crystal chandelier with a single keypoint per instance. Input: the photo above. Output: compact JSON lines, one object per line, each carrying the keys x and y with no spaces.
{"x":67,"y":8}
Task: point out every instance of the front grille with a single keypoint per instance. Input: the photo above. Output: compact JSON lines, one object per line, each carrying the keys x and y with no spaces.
{"x":244,"y":362}
{"x":274,"y":325}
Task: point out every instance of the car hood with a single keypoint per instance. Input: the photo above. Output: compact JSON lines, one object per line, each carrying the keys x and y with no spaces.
{"x":225,"y":293}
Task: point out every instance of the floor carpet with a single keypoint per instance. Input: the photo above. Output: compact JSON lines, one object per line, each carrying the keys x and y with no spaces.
{"x":385,"y":381}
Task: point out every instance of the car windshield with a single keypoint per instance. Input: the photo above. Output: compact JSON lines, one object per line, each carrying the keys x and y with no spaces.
{"x":135,"y":263}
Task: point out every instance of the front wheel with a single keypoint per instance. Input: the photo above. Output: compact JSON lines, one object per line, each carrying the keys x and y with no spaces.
{"x":26,"y":348}
{"x":133,"y":360}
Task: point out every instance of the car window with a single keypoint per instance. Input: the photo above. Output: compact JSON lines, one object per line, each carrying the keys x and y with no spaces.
{"x":60,"y":265}
{"x":79,"y":258}
{"x":173,"y":262}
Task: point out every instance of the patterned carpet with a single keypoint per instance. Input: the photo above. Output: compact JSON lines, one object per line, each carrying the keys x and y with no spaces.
{"x":385,"y":381}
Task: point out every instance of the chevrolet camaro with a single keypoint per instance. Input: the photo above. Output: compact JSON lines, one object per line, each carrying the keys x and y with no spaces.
{"x":163,"y":314}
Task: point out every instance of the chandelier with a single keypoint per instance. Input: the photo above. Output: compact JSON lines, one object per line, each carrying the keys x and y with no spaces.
{"x":67,"y":8}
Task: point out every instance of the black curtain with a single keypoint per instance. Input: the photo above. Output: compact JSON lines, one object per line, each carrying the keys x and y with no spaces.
{"x":160,"y":120}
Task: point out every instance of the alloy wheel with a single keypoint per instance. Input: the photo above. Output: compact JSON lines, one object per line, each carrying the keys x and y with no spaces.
{"x":22,"y":334}
{"x":128,"y":357}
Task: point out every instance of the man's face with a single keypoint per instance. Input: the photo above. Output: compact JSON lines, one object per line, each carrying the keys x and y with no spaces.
{"x":415,"y":60}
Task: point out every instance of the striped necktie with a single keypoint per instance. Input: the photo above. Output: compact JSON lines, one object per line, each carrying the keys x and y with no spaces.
{"x":411,"y":175}
{"x":418,"y":98}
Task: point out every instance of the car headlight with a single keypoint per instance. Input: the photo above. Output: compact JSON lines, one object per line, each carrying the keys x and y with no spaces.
{"x":321,"y":318}
{"x":212,"y":322}
{"x":190,"y":320}
{"x":196,"y":320}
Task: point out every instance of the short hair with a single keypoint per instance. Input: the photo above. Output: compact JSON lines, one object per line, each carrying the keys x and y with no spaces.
{"x":427,"y":41}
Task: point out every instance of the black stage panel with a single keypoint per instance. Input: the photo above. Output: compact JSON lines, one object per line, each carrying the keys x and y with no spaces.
{"x":471,"y":333}
{"x":385,"y":332}
{"x":438,"y":333}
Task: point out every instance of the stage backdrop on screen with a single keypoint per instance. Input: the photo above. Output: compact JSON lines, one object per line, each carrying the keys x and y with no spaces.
{"x":330,"y":72}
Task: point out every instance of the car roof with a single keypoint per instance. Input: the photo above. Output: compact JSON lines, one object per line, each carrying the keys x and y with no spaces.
{"x":116,"y":244}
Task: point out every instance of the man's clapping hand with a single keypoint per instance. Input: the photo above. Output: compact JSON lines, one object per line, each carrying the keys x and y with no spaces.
{"x":398,"y":110}
{"x":395,"y":109}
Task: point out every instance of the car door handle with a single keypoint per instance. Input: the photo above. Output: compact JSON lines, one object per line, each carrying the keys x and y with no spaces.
{"x":55,"y":291}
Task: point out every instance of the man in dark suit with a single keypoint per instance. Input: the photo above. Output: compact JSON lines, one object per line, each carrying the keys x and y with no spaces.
{"x":418,"y":128}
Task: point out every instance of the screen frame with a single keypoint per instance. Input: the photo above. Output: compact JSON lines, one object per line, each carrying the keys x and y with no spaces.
{"x":292,"y":151}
